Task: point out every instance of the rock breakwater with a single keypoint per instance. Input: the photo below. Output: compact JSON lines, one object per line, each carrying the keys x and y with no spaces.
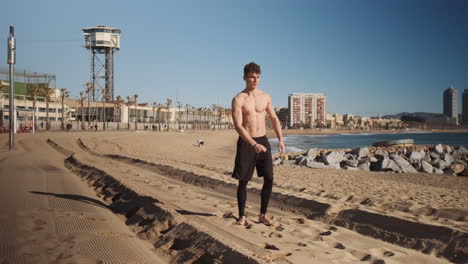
{"x":439,"y":159}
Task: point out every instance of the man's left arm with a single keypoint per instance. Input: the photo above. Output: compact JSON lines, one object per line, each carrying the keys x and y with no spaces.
{"x":276,"y":125}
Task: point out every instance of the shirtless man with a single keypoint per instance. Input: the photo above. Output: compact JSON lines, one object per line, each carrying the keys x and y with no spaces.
{"x":253,"y":148}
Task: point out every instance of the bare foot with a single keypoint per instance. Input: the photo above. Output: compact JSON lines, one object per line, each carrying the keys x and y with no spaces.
{"x":265,"y":220}
{"x":242,"y":221}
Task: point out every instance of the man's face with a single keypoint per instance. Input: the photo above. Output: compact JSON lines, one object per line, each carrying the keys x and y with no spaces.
{"x":252,"y":79}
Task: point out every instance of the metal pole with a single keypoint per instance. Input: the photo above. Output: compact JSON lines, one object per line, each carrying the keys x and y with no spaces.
{"x":11,"y":61}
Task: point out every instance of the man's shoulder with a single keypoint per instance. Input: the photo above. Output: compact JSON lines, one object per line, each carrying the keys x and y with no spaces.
{"x":264,"y":94}
{"x":240,"y":96}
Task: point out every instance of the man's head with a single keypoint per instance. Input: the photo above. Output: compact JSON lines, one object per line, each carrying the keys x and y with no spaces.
{"x":252,"y":67}
{"x":252,"y":73}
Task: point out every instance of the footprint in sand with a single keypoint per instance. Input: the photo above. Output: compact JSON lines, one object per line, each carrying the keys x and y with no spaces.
{"x":279,"y":255}
{"x":338,"y":245}
{"x":270,"y":246}
{"x":326,"y":233}
{"x":274,"y":234}
{"x":300,"y":221}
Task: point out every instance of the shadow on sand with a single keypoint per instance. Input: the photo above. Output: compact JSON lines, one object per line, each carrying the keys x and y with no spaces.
{"x":75,"y":197}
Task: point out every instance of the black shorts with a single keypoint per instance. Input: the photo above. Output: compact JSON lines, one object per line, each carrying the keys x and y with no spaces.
{"x":247,"y":160}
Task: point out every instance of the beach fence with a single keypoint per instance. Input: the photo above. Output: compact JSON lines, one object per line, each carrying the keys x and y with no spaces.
{"x":76,"y":125}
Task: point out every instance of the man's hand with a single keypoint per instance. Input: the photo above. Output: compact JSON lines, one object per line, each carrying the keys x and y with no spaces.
{"x":259,"y":148}
{"x":281,"y":147}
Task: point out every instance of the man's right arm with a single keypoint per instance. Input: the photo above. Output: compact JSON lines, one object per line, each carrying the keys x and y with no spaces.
{"x":237,"y":118}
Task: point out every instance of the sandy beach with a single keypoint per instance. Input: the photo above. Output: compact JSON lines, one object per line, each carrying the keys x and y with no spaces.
{"x":321,"y":215}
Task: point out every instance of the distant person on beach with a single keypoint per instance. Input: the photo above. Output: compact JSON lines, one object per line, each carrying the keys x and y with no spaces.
{"x":253,"y":148}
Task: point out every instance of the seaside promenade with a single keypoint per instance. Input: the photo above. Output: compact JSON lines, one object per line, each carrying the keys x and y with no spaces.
{"x":146,"y":197}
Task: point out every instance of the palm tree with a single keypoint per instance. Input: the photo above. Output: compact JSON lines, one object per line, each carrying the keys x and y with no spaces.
{"x":153,"y":107}
{"x":136,"y":111}
{"x":89,"y":90}
{"x":187,"y":107}
{"x":118,"y":105}
{"x":200,"y":110}
{"x":82,"y":109}
{"x":220,"y":110}
{"x":168,"y":106}
{"x":48,"y":93}
{"x":129,"y":103}
{"x":33,"y":91}
{"x":64,"y":93}
{"x":227,"y":114}
{"x":179,"y":105}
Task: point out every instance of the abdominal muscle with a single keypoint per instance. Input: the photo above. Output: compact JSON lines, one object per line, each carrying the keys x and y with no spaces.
{"x":254,"y":124}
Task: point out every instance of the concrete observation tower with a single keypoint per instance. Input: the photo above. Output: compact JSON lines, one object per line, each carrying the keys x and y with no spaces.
{"x":102,"y":42}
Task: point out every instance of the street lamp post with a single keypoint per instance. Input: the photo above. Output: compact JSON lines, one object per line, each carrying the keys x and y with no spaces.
{"x":11,"y":61}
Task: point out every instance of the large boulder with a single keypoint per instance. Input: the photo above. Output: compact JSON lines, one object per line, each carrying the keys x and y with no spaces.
{"x":426,"y":167}
{"x":364,"y":166}
{"x":448,"y":159}
{"x":346,"y":167}
{"x":404,"y":165}
{"x":351,"y":163}
{"x":301,"y":160}
{"x":416,"y":155}
{"x":361,"y":152}
{"x":385,"y":164}
{"x":381,"y":154}
{"x":439,"y":164}
{"x":434,"y":155}
{"x":439,"y":148}
{"x":316,"y":165}
{"x":277,"y":162}
{"x":334,"y":157}
{"x":457,"y":168}
{"x":427,"y":158}
{"x":288,"y":162}
{"x":333,"y":166}
{"x":416,"y":164}
{"x":312,"y":153}
{"x":460,"y":154}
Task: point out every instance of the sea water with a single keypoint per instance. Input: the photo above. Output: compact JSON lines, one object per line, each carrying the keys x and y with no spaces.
{"x":337,"y":141}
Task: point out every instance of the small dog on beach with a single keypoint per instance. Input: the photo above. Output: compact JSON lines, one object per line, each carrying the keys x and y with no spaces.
{"x":200,"y":143}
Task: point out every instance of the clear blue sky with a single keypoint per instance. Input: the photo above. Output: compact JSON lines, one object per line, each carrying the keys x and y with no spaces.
{"x":367,"y":56}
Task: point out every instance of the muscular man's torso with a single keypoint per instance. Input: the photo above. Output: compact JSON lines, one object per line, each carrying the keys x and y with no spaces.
{"x":253,"y":113}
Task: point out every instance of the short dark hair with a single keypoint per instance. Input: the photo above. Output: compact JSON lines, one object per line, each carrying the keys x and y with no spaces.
{"x":252,"y":67}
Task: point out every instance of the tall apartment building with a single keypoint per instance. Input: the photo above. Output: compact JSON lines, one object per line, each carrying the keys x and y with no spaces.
{"x":307,"y":109}
{"x":450,"y":103}
{"x":465,"y":106}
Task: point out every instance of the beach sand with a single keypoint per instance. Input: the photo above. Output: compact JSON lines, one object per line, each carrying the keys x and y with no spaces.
{"x":321,"y":215}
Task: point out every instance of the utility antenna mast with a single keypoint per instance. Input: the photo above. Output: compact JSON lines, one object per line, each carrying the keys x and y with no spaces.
{"x":102,"y":42}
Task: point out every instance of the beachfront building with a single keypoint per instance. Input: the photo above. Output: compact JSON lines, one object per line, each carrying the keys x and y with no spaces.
{"x":24,"y":109}
{"x":307,"y":110}
{"x":465,"y":107}
{"x":450,"y":104}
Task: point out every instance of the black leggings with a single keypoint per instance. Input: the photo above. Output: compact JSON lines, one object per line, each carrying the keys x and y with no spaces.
{"x":242,"y":195}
